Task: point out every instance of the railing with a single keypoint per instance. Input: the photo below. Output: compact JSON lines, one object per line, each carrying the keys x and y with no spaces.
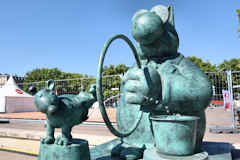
{"x":111,"y":86}
{"x":228,"y":80}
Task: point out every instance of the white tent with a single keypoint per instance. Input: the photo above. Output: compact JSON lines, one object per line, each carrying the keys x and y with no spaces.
{"x":13,"y":99}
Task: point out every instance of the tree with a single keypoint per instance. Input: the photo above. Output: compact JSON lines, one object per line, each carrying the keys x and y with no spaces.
{"x":204,"y":66}
{"x":78,"y":82}
{"x":121,"y":69}
{"x":232,"y":64}
{"x":111,"y":83}
{"x":43,"y":74}
{"x":112,"y":70}
{"x":38,"y":77}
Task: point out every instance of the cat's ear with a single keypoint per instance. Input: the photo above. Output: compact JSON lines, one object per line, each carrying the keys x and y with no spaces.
{"x":165,"y":13}
{"x":171,"y":16}
{"x":50,"y":84}
{"x":162,"y":12}
{"x":32,"y":90}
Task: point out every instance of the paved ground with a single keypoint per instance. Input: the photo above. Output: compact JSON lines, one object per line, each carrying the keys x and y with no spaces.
{"x":24,"y":136}
{"x":220,"y":117}
{"x":96,"y":134}
{"x":15,"y":156}
{"x":215,"y":117}
{"x":38,"y":126}
{"x":93,"y":114}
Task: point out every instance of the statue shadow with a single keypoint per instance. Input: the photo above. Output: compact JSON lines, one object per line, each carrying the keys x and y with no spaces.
{"x":235,"y":154}
{"x":221,"y":148}
{"x":108,"y":158}
{"x":214,"y":149}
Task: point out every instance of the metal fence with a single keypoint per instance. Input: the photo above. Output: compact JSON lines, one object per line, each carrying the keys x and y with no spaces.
{"x":64,"y":86}
{"x":110,"y":85}
{"x":220,"y":81}
{"x":236,"y":84}
{"x":228,"y":81}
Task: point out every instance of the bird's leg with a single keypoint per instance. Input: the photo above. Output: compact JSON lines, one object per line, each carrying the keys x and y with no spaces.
{"x":66,"y":136}
{"x":49,"y":139}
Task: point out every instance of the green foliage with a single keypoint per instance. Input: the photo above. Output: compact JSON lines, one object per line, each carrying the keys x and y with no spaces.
{"x":42,"y":75}
{"x":219,"y":79}
{"x":204,"y":66}
{"x":110,"y":84}
{"x":45,"y":74}
{"x":232,"y":64}
{"x":112,"y":70}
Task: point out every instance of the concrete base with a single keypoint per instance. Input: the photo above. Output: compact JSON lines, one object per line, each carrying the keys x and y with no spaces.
{"x":152,"y":154}
{"x":78,"y":150}
{"x":214,"y":150}
{"x":219,"y":130}
{"x":218,"y":150}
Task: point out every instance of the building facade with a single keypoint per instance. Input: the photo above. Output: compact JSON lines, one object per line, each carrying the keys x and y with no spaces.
{"x":4,"y":78}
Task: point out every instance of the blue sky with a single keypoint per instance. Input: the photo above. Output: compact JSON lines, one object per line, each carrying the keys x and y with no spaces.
{"x":70,"y":34}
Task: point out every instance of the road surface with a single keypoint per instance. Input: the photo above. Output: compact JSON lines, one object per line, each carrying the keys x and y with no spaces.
{"x":4,"y":155}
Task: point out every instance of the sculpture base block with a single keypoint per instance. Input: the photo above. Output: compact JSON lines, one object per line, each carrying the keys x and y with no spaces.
{"x":78,"y":150}
{"x":215,"y":151}
{"x":152,"y":154}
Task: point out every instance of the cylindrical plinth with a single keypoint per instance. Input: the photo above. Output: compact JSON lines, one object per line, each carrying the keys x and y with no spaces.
{"x":78,"y":150}
{"x":152,"y":154}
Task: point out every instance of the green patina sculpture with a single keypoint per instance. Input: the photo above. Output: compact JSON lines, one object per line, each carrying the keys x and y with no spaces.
{"x":63,"y":111}
{"x":78,"y":150}
{"x":162,"y":82}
